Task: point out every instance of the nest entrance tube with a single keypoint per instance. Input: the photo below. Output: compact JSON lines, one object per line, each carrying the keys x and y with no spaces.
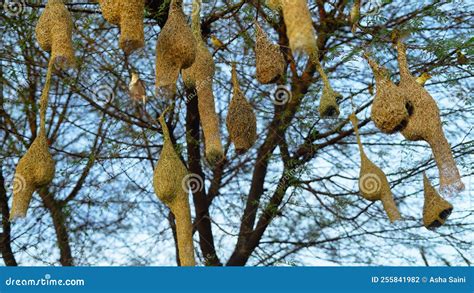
{"x":241,"y":120}
{"x":373,"y":183}
{"x":169,"y":182}
{"x":199,"y":77}
{"x":436,"y":209}
{"x":128,"y":15}
{"x":175,"y":50}
{"x":54,"y":34}
{"x":270,"y":62}
{"x":36,"y":168}
{"x":425,"y":124}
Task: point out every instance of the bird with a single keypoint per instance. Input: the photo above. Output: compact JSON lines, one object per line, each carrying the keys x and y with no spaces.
{"x":218,"y":44}
{"x":423,"y":78}
{"x":461,"y":58}
{"x":137,"y":88}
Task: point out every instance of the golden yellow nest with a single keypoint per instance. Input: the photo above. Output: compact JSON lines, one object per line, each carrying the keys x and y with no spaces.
{"x":175,"y":50}
{"x":373,"y":183}
{"x":270,"y":62}
{"x":128,"y":15}
{"x":241,"y":120}
{"x":54,"y":33}
{"x":169,"y":182}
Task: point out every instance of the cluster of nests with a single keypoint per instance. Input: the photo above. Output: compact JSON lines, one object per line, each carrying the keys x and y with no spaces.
{"x":409,"y":109}
{"x":180,"y":50}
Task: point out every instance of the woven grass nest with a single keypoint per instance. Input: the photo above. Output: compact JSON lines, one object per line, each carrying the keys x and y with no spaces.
{"x":373,"y":183}
{"x":329,"y":102}
{"x":241,"y":121}
{"x":328,"y":105}
{"x":269,"y":59}
{"x":175,"y":50}
{"x":128,"y":15}
{"x":424,"y":123}
{"x":299,"y":25}
{"x":200,"y":78}
{"x":54,"y":33}
{"x":168,"y":178}
{"x":436,"y":209}
{"x":34,"y":170}
{"x":390,"y":108}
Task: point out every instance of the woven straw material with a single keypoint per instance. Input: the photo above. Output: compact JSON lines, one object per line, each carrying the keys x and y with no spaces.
{"x":34,"y":170}
{"x":168,"y":178}
{"x":200,"y":78}
{"x":390,"y":108}
{"x":274,"y":4}
{"x":128,"y":15}
{"x":425,"y":124}
{"x":110,"y":10}
{"x":328,"y":105}
{"x":241,"y":120}
{"x":436,"y":209}
{"x":269,"y":59}
{"x":175,"y":50}
{"x":54,"y":34}
{"x":299,"y":26}
{"x":373,"y":183}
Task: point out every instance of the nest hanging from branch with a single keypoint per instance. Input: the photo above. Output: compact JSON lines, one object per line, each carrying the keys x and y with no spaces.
{"x":425,"y":124}
{"x":175,"y":50}
{"x":241,"y":121}
{"x":200,"y":78}
{"x":329,"y":102}
{"x":269,"y":59}
{"x":373,"y":183}
{"x":169,"y":182}
{"x":299,"y":25}
{"x":36,"y":168}
{"x":128,"y":15}
{"x":390,"y":108}
{"x":436,"y":209}
{"x":54,"y":34}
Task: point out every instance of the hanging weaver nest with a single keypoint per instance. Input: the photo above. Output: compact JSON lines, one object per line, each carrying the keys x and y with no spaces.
{"x":128,"y":15}
{"x":36,"y":168}
{"x":269,"y":59}
{"x":241,"y":121}
{"x":168,"y":178}
{"x":425,"y":124}
{"x":200,"y":78}
{"x":373,"y":183}
{"x":329,"y":103}
{"x":175,"y":50}
{"x":299,"y":25}
{"x":390,"y":108}
{"x":54,"y":33}
{"x":436,"y":209}
{"x":328,"y":106}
